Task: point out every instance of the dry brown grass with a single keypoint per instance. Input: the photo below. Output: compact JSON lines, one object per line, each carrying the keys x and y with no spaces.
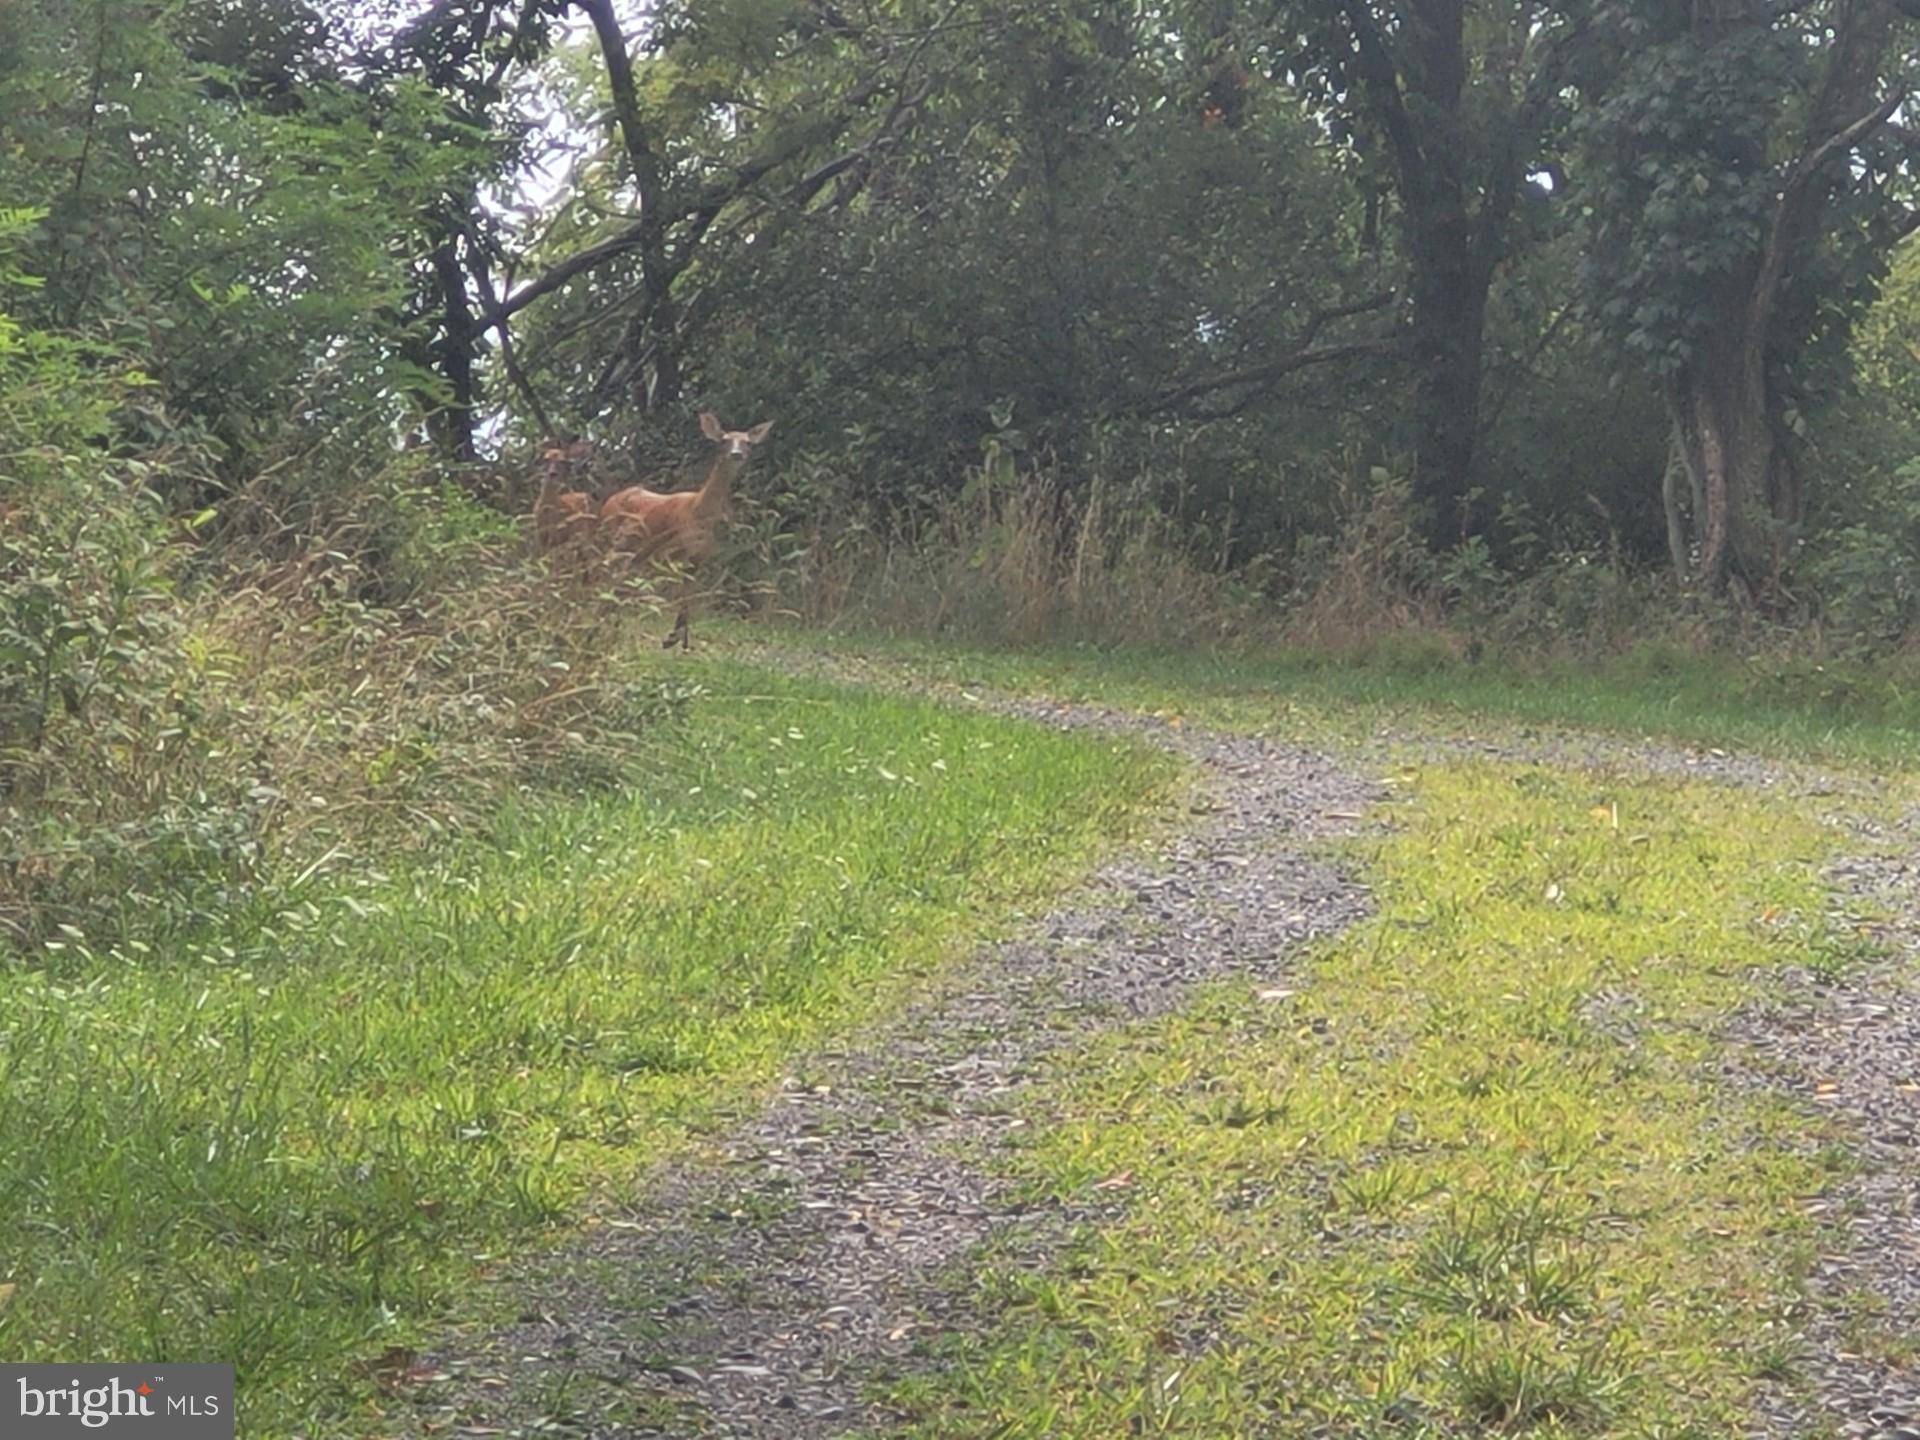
{"x":1371,"y":583}
{"x":1021,"y":560}
{"x":291,"y":722}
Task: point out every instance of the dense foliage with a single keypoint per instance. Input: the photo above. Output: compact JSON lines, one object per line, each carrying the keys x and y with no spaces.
{"x":1542,"y":319}
{"x":1229,"y":257}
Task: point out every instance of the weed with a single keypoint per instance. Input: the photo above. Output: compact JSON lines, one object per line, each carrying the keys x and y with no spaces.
{"x":1517,"y":1386}
{"x":1378,"y":1189}
{"x":1500,"y":1261}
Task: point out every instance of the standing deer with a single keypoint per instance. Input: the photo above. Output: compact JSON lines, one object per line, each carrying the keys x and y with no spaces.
{"x":678,"y":529}
{"x":563,"y":520}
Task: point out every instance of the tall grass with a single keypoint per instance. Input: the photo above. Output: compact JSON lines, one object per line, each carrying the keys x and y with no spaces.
{"x":1044,"y":557}
{"x":1095,"y":596}
{"x":280,"y":719}
{"x":1019,"y":559}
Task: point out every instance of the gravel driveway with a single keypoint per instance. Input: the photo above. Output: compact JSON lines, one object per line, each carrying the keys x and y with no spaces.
{"x":761,"y":1289}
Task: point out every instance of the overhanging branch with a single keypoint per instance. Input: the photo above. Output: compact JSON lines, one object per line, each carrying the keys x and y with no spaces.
{"x":1255,"y":379}
{"x":558,"y":274}
{"x":1382,"y":82}
{"x":1810,"y":164}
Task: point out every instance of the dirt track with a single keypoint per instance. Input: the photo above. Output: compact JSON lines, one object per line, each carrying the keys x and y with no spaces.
{"x":762,"y":1293}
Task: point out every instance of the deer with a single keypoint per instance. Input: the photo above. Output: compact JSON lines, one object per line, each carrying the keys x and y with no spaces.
{"x":563,"y":520}
{"x":678,"y":529}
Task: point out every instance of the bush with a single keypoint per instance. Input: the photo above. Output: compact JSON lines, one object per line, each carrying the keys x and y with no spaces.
{"x":298,"y":728}
{"x":90,"y":638}
{"x":1867,"y":573}
{"x":181,"y":740}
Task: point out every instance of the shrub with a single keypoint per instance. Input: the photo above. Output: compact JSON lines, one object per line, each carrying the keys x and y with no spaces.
{"x":1867,"y":573}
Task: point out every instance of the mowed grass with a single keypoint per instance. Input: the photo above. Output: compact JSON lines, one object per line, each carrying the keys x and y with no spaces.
{"x":294,"y":1144}
{"x":1476,"y":1170}
{"x":1851,"y":714}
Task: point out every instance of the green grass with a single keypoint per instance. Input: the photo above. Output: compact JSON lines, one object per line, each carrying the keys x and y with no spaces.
{"x":1848,"y":714}
{"x":1478,"y":1174}
{"x":295,"y":1142}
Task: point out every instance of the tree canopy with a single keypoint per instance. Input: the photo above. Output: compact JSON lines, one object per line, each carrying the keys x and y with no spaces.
{"x":1572,"y":266}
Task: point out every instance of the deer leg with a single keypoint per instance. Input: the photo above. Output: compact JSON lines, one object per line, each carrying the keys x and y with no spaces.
{"x":684,"y":617}
{"x":679,"y":634}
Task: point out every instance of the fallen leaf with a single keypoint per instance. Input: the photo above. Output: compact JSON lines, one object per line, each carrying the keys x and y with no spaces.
{"x":6,"y":1294}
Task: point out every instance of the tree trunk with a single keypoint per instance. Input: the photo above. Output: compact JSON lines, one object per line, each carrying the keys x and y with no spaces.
{"x":1415,"y":83}
{"x":1726,"y":407}
{"x":1449,"y":326}
{"x":1727,"y":434}
{"x":1679,"y":543}
{"x":651,"y":363}
{"x":1449,"y":282}
{"x":451,"y":424}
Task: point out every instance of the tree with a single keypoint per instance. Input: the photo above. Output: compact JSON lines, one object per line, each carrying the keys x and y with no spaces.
{"x":245,"y":230}
{"x":1742,"y":183}
{"x":707,"y":131}
{"x":1460,"y":105}
{"x":464,"y":50}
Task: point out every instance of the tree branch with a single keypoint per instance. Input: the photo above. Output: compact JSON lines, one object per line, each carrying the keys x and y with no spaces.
{"x":626,"y":102}
{"x":562,"y":271}
{"x":667,"y":237}
{"x":1793,"y":220}
{"x":1382,"y":80}
{"x":1305,"y":354}
{"x":1809,"y":165}
{"x":1320,"y":355}
{"x":478,"y":257}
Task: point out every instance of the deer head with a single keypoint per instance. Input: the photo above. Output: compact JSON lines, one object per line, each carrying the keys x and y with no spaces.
{"x":736,"y":444}
{"x":561,"y":455}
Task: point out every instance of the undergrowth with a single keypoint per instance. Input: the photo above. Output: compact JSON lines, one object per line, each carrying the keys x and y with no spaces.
{"x":1093,"y":581}
{"x":281,"y":728}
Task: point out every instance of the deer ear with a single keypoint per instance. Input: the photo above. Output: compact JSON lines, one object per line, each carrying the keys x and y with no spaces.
{"x":759,"y":432}
{"x":710,"y":425}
